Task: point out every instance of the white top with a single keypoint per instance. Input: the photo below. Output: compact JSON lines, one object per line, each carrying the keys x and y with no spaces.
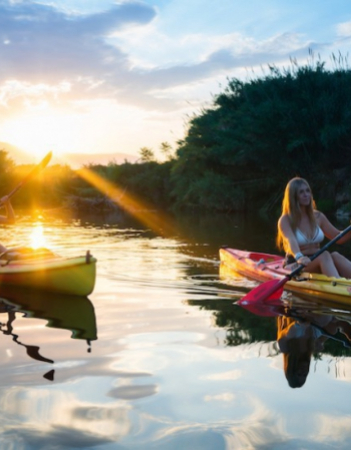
{"x":304,"y":240}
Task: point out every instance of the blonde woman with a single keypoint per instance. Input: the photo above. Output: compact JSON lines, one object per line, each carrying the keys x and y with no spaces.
{"x":301,"y":229}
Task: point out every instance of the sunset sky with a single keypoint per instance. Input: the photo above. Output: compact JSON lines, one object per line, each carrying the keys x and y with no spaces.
{"x":100,"y":76}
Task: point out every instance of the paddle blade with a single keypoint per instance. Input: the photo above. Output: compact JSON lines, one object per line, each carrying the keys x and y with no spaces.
{"x":45,"y":161}
{"x":263,"y":309}
{"x":38,"y":168}
{"x":270,"y":290}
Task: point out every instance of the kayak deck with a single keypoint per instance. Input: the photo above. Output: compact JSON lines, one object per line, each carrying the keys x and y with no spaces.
{"x":264,"y":267}
{"x":49,"y":272}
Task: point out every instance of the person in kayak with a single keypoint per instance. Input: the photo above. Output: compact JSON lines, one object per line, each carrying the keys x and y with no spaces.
{"x":9,"y":218}
{"x":302,"y":228}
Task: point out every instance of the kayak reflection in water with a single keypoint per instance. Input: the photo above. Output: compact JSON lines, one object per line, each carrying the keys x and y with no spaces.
{"x":10,"y":215}
{"x":299,"y":337}
{"x":32,"y":350}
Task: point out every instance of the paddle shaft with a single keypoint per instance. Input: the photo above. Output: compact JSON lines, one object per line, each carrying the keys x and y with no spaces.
{"x":38,"y":168}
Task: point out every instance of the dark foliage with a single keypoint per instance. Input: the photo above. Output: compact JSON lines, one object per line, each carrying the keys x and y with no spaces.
{"x":241,"y":152}
{"x":148,"y":182}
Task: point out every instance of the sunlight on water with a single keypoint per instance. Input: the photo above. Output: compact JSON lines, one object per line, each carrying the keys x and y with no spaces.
{"x":158,"y":356}
{"x":37,"y":237}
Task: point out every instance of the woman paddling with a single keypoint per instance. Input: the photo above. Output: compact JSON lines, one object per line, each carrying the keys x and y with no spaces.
{"x":301,"y":229}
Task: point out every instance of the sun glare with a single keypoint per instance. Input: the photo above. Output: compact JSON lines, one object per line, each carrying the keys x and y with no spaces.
{"x":155,"y":220}
{"x":37,"y":238}
{"x":36,"y":134}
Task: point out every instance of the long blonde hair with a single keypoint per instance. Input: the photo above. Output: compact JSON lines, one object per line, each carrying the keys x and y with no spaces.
{"x":291,"y":208}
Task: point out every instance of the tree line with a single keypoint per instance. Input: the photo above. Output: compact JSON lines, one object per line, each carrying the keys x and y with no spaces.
{"x":238,"y":153}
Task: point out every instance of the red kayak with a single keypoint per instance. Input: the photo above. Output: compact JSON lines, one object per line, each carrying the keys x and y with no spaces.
{"x":264,"y":267}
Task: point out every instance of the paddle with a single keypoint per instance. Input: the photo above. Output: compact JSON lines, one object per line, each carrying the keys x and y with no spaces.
{"x":38,"y":168}
{"x":273,"y":289}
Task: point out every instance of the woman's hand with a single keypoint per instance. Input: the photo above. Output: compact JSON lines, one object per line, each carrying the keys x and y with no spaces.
{"x":303,"y":260}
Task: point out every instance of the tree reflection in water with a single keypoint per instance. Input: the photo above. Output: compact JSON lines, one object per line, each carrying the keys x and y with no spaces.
{"x":302,"y":329}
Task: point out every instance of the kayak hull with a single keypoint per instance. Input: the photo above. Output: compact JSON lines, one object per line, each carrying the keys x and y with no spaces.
{"x":264,"y":267}
{"x":70,"y":276}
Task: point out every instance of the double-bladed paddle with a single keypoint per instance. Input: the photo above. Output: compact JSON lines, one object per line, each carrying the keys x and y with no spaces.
{"x":273,"y":289}
{"x":38,"y":168}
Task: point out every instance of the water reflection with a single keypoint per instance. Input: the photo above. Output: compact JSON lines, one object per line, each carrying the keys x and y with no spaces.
{"x":241,"y":327}
{"x":303,"y":329}
{"x":302,"y":333}
{"x":177,"y":365}
{"x":37,"y":237}
{"x":72,"y":313}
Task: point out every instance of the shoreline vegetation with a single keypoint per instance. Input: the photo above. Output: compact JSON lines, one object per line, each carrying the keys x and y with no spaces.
{"x":237,"y":154}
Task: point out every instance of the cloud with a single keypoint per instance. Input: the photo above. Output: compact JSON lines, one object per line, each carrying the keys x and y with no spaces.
{"x":344,"y":29}
{"x":63,"y":56}
{"x":39,"y":41}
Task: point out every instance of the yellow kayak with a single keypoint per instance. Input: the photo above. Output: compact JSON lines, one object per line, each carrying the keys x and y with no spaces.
{"x":48,"y":272}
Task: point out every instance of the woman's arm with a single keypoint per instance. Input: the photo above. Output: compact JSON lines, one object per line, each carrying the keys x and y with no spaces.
{"x":329,"y":230}
{"x":10,"y":213}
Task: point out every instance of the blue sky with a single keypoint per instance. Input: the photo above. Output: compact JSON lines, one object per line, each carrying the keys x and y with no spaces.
{"x":103,"y":76}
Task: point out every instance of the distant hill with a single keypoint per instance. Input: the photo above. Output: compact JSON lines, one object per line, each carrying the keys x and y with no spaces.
{"x":74,"y":160}
{"x":19,"y":156}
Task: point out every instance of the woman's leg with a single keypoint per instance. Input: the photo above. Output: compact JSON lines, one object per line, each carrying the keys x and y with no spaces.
{"x":342,"y":264}
{"x":324,"y":264}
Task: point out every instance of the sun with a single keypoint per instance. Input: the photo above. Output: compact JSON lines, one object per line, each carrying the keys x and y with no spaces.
{"x":36,"y":134}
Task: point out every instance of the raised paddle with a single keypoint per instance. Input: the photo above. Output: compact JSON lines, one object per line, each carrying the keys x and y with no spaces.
{"x":38,"y":168}
{"x":273,"y":289}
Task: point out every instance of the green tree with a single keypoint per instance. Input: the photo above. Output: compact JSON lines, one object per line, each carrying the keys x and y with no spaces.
{"x":167,"y":151}
{"x":258,"y":134}
{"x":146,"y":154}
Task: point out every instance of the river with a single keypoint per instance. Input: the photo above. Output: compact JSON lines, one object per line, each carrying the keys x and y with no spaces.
{"x":158,"y":356}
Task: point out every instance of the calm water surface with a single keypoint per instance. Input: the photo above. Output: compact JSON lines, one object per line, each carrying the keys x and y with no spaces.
{"x":158,"y":357}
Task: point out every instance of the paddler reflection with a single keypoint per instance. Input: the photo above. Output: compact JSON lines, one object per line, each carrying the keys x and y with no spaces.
{"x":72,"y":313}
{"x":300,"y":334}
